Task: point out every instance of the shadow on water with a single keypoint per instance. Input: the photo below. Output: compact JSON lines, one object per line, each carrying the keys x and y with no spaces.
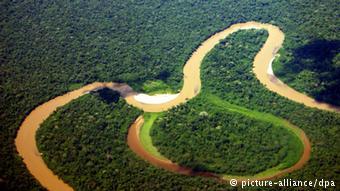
{"x":318,"y":57}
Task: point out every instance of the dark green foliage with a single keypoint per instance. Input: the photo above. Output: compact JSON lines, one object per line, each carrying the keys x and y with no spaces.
{"x":46,"y":46}
{"x":227,"y":67}
{"x":228,"y":74}
{"x":107,"y":94}
{"x":206,"y":138}
{"x":313,"y":69}
{"x":85,"y":144}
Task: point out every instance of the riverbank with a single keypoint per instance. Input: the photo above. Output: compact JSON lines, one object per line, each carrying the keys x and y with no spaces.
{"x":26,"y":143}
{"x":151,"y":154}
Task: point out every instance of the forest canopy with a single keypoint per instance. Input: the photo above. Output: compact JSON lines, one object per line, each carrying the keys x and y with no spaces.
{"x":50,"y":47}
{"x":84,"y":142}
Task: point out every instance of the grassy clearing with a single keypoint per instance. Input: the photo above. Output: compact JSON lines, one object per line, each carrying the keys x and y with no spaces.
{"x":295,"y":146}
{"x":145,"y":137}
{"x":277,"y":63}
{"x":156,"y":87}
{"x":75,"y":86}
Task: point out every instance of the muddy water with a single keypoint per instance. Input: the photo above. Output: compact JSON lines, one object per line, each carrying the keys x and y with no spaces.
{"x":263,"y":61}
{"x":136,"y":145}
{"x":26,"y":143}
{"x":191,"y":70}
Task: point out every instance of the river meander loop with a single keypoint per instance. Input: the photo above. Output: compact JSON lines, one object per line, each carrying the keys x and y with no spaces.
{"x":26,"y":143}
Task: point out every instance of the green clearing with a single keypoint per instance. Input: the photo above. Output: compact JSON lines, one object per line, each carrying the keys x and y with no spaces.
{"x":75,"y":86}
{"x":145,"y":138}
{"x":87,"y":138}
{"x":295,"y":145}
{"x":153,"y":87}
{"x":218,"y":79}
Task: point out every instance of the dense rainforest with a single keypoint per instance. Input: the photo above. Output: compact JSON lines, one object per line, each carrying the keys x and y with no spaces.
{"x":85,"y":144}
{"x":205,"y":137}
{"x":224,"y":85}
{"x":50,"y":47}
{"x":87,"y":124}
{"x":227,"y":74}
{"x":313,"y":69}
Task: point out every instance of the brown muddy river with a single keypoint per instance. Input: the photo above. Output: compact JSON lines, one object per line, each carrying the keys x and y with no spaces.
{"x":26,"y":143}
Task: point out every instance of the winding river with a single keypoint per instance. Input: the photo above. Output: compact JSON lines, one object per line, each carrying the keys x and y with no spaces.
{"x":26,"y":143}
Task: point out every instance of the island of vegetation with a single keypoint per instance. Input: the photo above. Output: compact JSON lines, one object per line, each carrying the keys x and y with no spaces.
{"x":285,"y":158}
{"x":48,"y":48}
